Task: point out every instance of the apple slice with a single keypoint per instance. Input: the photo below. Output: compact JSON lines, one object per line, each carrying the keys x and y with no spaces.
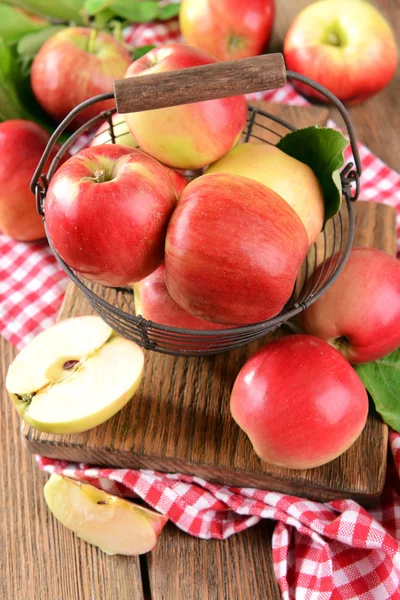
{"x":115,"y":525}
{"x":74,"y":376}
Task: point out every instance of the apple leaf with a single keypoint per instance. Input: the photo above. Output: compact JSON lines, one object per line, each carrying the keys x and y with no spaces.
{"x":382,"y":380}
{"x":92,"y":7}
{"x":14,"y":24}
{"x":321,"y":148}
{"x":141,"y":51}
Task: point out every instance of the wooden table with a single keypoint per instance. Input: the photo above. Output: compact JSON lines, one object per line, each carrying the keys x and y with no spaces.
{"x":41,"y":560}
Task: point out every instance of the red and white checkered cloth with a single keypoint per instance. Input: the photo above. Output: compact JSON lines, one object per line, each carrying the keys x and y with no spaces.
{"x":335,"y":550}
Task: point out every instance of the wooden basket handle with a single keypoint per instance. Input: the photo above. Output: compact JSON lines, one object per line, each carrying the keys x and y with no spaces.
{"x":217,"y":80}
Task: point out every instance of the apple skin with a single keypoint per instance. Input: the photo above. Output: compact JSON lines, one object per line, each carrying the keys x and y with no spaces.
{"x":346,"y":46}
{"x":233,"y":249}
{"x":294,"y":181}
{"x":122,"y":134}
{"x":300,"y":402}
{"x":154,"y":302}
{"x":111,"y":232}
{"x":359,"y":314}
{"x":224,"y":31}
{"x":64,"y":73}
{"x":190,"y":136}
{"x":22,"y":144}
{"x":115,"y":525}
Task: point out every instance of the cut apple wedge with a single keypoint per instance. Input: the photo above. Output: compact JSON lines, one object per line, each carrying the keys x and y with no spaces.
{"x":74,"y":376}
{"x":115,"y":525}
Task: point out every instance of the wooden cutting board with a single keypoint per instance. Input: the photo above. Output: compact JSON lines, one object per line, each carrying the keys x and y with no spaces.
{"x":179,"y":420}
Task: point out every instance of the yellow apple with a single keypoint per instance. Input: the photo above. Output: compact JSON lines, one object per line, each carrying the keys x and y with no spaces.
{"x":115,"y":525}
{"x":74,"y":376}
{"x":294,"y":181}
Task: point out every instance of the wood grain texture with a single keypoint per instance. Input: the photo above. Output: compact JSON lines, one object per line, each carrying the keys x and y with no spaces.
{"x":206,"y":82}
{"x":239,"y":568}
{"x":40,"y":559}
{"x":179,"y":421}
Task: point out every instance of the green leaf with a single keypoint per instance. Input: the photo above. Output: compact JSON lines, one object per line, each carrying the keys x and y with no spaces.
{"x":30,"y":44}
{"x":11,"y":106}
{"x":92,"y":7}
{"x":321,"y":149}
{"x":65,"y":10}
{"x":137,"y":12}
{"x":169,"y":11}
{"x":141,"y":51}
{"x":14,"y":24}
{"x":382,"y":380}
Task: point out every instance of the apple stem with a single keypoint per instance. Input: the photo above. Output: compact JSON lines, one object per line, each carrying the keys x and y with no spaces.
{"x":100,"y":176}
{"x":92,"y":39}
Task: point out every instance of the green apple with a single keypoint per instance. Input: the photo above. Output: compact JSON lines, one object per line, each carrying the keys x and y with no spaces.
{"x":294,"y":181}
{"x":115,"y":525}
{"x":74,"y":376}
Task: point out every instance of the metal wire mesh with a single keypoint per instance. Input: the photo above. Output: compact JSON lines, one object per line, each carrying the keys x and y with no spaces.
{"x":116,"y":305}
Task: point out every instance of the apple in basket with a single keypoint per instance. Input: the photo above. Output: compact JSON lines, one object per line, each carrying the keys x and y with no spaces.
{"x":225,"y":30}
{"x":300,"y":402}
{"x":359,"y":314}
{"x":154,"y":302}
{"x":75,"y":64}
{"x":190,"y":136}
{"x":124,"y":137}
{"x":22,"y":144}
{"x":74,"y":376}
{"x":294,"y":181}
{"x":346,"y":46}
{"x":115,"y":525}
{"x":107,"y":210}
{"x":233,"y":249}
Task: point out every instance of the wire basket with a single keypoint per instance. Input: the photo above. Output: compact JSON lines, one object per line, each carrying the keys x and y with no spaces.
{"x":116,"y":305}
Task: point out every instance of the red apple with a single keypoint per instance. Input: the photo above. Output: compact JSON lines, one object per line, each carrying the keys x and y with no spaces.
{"x":360,"y":313}
{"x":233,"y":250}
{"x":21,"y":147}
{"x":107,"y":210}
{"x":190,"y":136}
{"x":346,"y":46}
{"x":227,"y":31}
{"x":300,"y":402}
{"x":74,"y":65}
{"x":154,"y":302}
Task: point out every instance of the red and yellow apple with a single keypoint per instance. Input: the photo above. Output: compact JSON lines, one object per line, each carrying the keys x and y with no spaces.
{"x":359,"y":314}
{"x":154,"y":302}
{"x":300,"y":402}
{"x":233,"y":249}
{"x":74,"y":376}
{"x":107,"y":210}
{"x":190,"y":136}
{"x":75,"y":64}
{"x":115,"y":525}
{"x":22,"y":144}
{"x":294,"y":181}
{"x":227,"y":31}
{"x":121,"y":132}
{"x":348,"y":47}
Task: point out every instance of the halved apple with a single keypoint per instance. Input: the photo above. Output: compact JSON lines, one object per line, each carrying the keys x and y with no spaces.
{"x":115,"y":525}
{"x":74,"y":376}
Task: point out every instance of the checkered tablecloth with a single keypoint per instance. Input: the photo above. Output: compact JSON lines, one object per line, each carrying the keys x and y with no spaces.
{"x":335,"y":550}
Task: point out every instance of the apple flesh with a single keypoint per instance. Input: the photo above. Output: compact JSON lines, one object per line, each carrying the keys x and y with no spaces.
{"x":190,"y":136}
{"x":113,"y":524}
{"x":227,"y":32}
{"x":98,"y":59}
{"x":22,"y":144}
{"x":107,"y":210}
{"x":359,"y":314}
{"x":233,"y":249}
{"x":74,"y":376}
{"x":300,"y":402}
{"x":155,"y":303}
{"x":346,"y":46}
{"x":294,"y":181}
